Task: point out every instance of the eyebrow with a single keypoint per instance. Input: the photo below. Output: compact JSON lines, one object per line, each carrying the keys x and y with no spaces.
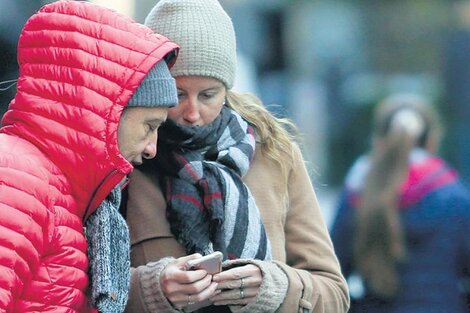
{"x":215,"y":87}
{"x":221,"y":86}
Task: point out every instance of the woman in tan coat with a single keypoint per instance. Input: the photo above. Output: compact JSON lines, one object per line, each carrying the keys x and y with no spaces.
{"x":228,"y":177}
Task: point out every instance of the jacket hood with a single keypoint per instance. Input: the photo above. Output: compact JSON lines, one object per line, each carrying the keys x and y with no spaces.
{"x":79,"y":65}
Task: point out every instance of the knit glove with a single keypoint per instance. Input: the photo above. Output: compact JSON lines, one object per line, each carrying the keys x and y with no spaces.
{"x":272,"y":291}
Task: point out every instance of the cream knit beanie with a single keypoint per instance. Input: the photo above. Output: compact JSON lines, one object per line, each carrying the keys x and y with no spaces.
{"x":205,"y":34}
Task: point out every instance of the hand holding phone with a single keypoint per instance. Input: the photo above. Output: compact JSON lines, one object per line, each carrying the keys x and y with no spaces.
{"x":212,"y":264}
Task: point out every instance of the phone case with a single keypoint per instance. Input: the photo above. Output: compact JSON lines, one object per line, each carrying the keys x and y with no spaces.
{"x":212,"y":263}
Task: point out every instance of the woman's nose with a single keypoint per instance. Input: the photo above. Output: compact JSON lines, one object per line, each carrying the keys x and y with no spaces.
{"x":191,"y":111}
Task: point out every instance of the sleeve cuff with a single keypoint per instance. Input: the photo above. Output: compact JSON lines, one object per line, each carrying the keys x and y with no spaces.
{"x":152,"y":294}
{"x":272,"y":291}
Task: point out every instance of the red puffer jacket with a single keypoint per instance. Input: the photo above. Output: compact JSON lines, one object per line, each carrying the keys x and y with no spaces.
{"x":59,"y":157}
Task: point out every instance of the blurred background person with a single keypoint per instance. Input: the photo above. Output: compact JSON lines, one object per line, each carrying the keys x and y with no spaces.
{"x":404,"y":216}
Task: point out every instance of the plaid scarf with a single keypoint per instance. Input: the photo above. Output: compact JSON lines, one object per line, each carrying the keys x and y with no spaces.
{"x":208,"y":205}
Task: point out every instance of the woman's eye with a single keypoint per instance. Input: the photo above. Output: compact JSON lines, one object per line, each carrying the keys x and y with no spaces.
{"x":207,"y":95}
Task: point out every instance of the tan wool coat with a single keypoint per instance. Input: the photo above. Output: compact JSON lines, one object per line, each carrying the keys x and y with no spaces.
{"x":301,"y":245}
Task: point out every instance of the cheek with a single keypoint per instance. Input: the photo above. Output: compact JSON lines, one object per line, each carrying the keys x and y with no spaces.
{"x":124,"y":148}
{"x":131,"y":144}
{"x":210,"y":113}
{"x":139,"y":148}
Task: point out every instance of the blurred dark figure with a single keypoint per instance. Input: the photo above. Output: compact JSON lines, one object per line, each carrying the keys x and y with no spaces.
{"x":404,"y":217}
{"x":13,"y":15}
{"x":457,"y":91}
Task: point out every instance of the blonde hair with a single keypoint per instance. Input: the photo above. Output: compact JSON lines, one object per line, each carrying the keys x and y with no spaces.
{"x":401,"y":122}
{"x":275,"y":135}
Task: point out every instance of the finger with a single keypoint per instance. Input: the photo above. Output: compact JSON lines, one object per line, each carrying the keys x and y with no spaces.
{"x":207,"y":293}
{"x":182,"y":300}
{"x":239,"y":283}
{"x":176,"y":272}
{"x":230,"y":274}
{"x":174,"y":290}
{"x":196,"y":286}
{"x":235,"y":296}
{"x":179,"y":296}
{"x":237,"y":273}
{"x":174,"y":275}
{"x":240,"y":277}
{"x":182,"y":260}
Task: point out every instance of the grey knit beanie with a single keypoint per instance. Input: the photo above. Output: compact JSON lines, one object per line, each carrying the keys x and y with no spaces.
{"x":205,"y":34}
{"x":157,"y":89}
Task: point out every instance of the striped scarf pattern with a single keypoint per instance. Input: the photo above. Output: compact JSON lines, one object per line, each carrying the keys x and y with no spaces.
{"x":209,"y":207}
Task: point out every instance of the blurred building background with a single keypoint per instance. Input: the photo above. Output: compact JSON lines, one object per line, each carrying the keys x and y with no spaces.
{"x":325,"y":63}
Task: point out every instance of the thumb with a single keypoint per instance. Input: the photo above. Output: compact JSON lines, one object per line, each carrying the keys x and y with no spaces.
{"x":181,"y":261}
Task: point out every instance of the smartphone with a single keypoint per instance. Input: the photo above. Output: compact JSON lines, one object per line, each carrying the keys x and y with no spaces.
{"x":212,"y":263}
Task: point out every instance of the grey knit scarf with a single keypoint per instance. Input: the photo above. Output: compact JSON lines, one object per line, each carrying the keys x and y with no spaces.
{"x":108,"y":253}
